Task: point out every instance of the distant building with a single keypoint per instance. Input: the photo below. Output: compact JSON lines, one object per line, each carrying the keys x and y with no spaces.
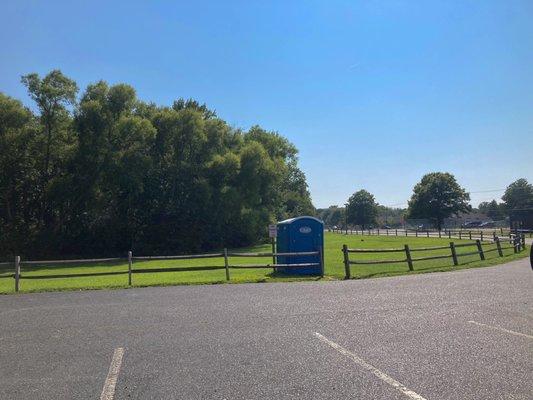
{"x":521,"y":219}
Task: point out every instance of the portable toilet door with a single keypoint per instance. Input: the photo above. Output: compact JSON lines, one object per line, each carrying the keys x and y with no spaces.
{"x":301,"y":234}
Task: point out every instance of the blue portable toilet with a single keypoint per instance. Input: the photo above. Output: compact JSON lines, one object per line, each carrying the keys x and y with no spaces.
{"x":301,"y":234}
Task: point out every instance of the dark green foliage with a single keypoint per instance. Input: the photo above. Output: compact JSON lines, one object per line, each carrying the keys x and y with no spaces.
{"x":493,"y":210}
{"x":19,"y":178}
{"x":436,"y":197}
{"x":518,"y":195}
{"x":109,"y":173}
{"x":332,"y":216}
{"x":361,"y":209}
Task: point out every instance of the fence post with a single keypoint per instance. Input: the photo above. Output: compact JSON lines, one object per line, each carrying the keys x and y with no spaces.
{"x":449,"y":234}
{"x":405,"y":231}
{"x":515,"y":244}
{"x":387,"y":232}
{"x":440,"y":233}
{"x":498,"y":246}
{"x":481,"y":235}
{"x":480,"y":249}
{"x":346,"y":262}
{"x":470,"y":235}
{"x":378,"y":231}
{"x":130,"y":257}
{"x":494,"y":235}
{"x":226,"y":264}
{"x":454,"y":254}
{"x":396,"y":232}
{"x":408,"y":257}
{"x":460,"y":234}
{"x":416,"y":232}
{"x":427,"y":232}
{"x":273,"y":242}
{"x":17,"y":272}
{"x":523,"y":241}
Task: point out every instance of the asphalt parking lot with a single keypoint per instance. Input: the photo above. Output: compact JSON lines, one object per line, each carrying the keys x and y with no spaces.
{"x":458,"y":335}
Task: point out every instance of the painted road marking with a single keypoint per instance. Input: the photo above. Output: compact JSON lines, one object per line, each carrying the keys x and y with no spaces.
{"x":380,"y":374}
{"x":108,"y":392}
{"x":497,"y":328}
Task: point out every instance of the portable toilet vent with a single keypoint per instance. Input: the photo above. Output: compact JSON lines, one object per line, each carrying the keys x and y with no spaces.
{"x":301,"y":234}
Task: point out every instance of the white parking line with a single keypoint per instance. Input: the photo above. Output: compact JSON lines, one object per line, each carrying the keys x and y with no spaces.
{"x":497,"y":328}
{"x":108,"y":392}
{"x":362,"y":363}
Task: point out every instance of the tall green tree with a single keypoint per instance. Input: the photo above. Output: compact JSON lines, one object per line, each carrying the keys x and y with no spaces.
{"x":436,"y":197}
{"x":53,"y":95}
{"x":18,"y":133}
{"x":295,"y":199}
{"x":518,"y":195}
{"x":362,"y":209}
{"x":106,"y":173}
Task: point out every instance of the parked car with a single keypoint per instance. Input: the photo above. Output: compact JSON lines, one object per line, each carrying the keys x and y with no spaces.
{"x":488,"y":224}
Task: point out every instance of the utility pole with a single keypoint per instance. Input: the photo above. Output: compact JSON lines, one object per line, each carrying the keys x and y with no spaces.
{"x":346,"y":217}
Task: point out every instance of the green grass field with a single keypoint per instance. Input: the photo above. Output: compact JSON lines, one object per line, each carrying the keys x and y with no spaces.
{"x":114,"y":275}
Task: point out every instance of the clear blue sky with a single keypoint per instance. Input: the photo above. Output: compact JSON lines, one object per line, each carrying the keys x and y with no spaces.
{"x":373,"y":93}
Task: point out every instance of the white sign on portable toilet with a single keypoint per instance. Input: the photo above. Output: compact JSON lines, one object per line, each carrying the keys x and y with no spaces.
{"x":305,"y":229}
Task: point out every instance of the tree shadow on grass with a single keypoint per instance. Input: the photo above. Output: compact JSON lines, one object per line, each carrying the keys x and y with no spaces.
{"x":281,"y":275}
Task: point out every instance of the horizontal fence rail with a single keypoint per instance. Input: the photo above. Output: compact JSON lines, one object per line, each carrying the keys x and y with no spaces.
{"x":295,"y":254}
{"x":187,"y":257}
{"x":225,"y":255}
{"x":301,"y":265}
{"x":482,"y":234}
{"x":86,"y":261}
{"x":516,"y":242}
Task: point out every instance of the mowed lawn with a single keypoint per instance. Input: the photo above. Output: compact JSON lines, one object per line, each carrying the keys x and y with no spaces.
{"x":114,"y":275}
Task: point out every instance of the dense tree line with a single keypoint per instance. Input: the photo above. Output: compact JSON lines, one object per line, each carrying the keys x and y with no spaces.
{"x":386,"y":216}
{"x":518,"y":196}
{"x":103,"y":172}
{"x":435,"y":198}
{"x":332,"y":216}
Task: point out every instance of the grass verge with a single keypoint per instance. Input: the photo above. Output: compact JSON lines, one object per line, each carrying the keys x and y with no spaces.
{"x":37,"y":278}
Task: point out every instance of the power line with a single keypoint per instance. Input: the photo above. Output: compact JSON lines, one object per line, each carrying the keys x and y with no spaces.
{"x":489,"y":191}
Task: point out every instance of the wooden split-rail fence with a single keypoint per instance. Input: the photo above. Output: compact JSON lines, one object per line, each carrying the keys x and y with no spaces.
{"x":482,"y":234}
{"x":225,"y":255}
{"x":516,"y":242}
